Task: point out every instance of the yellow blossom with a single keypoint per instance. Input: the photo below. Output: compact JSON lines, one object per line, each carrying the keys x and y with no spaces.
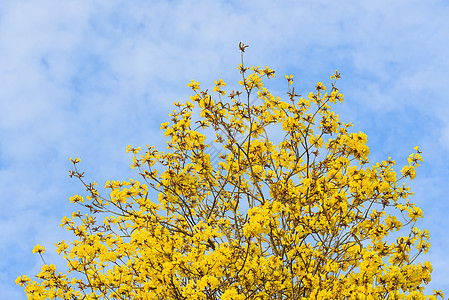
{"x":39,"y":249}
{"x":281,"y":202}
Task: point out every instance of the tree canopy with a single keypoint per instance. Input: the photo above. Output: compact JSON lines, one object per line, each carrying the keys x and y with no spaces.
{"x":291,"y":208}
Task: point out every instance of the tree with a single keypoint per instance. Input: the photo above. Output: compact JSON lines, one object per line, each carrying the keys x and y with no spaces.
{"x":307,"y":218}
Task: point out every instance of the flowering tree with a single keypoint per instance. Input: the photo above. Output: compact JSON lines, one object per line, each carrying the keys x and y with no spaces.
{"x":306,"y":218}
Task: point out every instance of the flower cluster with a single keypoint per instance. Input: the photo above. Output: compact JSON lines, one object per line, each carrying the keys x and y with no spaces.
{"x":305,"y":217}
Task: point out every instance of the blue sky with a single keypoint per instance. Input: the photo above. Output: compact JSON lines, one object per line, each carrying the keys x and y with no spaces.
{"x":87,"y":78}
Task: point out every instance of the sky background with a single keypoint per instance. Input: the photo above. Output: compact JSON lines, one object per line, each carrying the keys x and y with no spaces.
{"x":88,"y":78}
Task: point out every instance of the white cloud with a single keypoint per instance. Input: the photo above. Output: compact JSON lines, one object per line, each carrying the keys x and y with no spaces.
{"x":88,"y":78}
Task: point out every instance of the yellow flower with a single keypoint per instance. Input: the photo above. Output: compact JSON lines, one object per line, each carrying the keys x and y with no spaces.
{"x":220,"y":83}
{"x":22,"y":281}
{"x":336,"y":75}
{"x":409,"y":171}
{"x":194,"y":85}
{"x":75,"y":161}
{"x":39,"y":249}
{"x":133,"y":150}
{"x":76,"y":199}
{"x":320,"y":86}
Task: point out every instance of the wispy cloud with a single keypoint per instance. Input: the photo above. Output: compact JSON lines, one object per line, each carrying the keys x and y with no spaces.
{"x":88,"y":78}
